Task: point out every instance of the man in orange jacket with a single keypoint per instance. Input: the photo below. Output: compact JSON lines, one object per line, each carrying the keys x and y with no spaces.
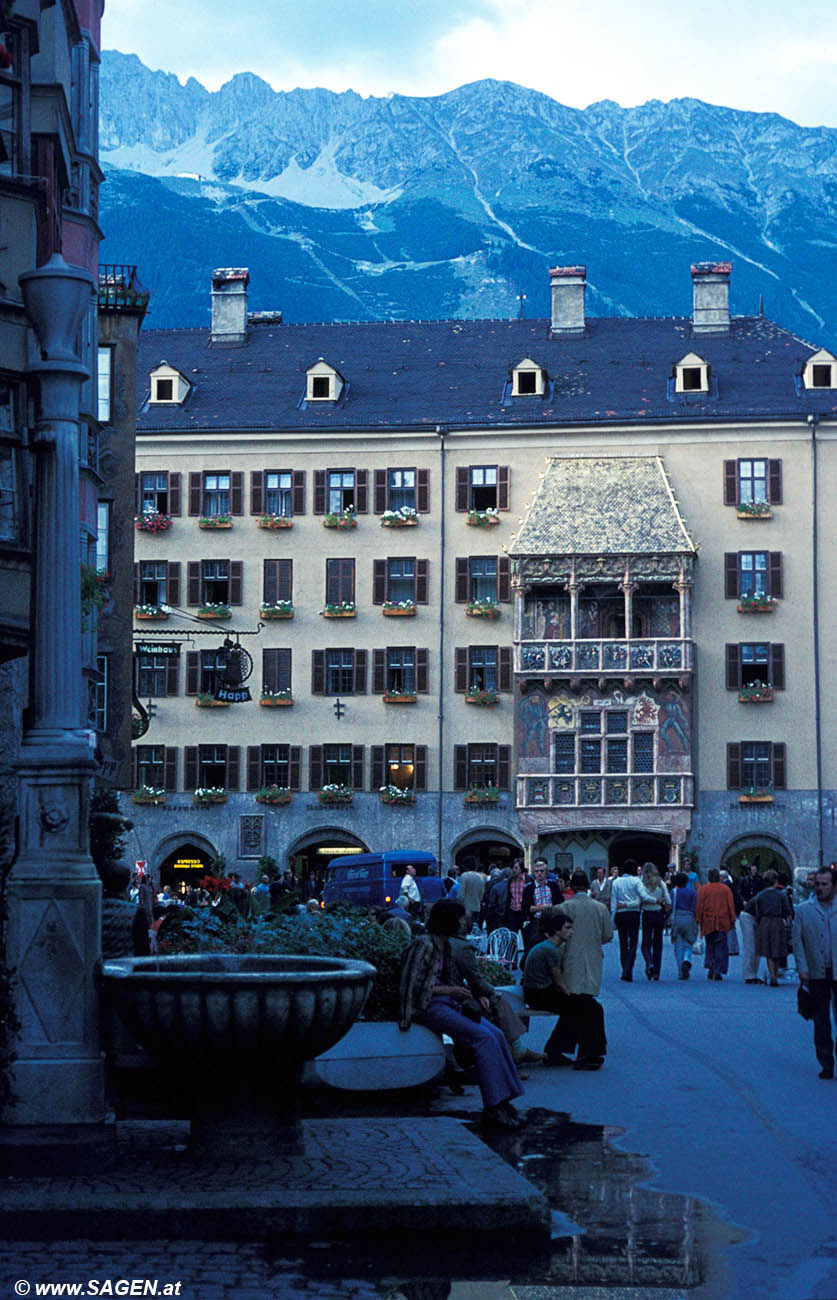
{"x":716,"y":917}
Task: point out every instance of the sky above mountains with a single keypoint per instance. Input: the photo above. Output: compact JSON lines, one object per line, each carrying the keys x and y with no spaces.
{"x":770,"y":57}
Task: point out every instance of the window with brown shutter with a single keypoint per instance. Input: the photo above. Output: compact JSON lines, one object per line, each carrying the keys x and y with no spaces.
{"x":319,"y":492}
{"x":361,"y":491}
{"x":357,"y":767}
{"x":463,"y":485}
{"x":376,"y":767}
{"x":379,"y":494}
{"x":752,"y":480}
{"x":173,"y":583}
{"x":273,"y":765}
{"x":254,"y":767}
{"x":775,"y":482}
{"x":318,"y":672}
{"x":190,"y":767}
{"x":193,"y":582}
{"x":730,"y":482}
{"x":360,"y":672}
{"x":379,"y":582}
{"x":237,"y":493}
{"x":422,"y":670}
{"x":379,"y":671}
{"x":174,"y":494}
{"x":236,"y":581}
{"x":421,"y":767}
{"x":776,"y":579}
{"x":233,"y":780}
{"x":298,"y":488}
{"x":422,"y":581}
{"x":172,"y":674}
{"x":195,"y":493}
{"x":779,"y":766}
{"x":193,"y":672}
{"x":732,"y":659}
{"x":276,"y":669}
{"x":733,"y":766}
{"x":423,"y":491}
{"x":277,"y":581}
{"x":756,"y":766}
{"x":462,"y":580}
{"x":503,"y":579}
{"x":505,"y":673}
{"x":257,"y":492}
{"x":170,"y":781}
{"x":460,"y":669}
{"x":503,"y":487}
{"x":340,"y":581}
{"x":315,"y":767}
{"x":777,"y":666}
{"x":460,"y":767}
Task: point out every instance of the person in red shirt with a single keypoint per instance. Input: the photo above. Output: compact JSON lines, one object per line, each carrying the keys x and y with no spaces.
{"x":716,"y":917}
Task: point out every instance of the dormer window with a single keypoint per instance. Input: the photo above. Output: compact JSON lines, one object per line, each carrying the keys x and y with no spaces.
{"x":820,"y":370}
{"x":324,"y":383}
{"x":528,"y":379}
{"x":691,"y":375}
{"x":168,"y":386}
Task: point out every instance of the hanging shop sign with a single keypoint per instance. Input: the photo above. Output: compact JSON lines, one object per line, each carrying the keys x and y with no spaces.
{"x":153,"y":648}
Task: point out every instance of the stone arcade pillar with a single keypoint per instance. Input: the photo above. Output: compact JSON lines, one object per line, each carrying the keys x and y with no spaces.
{"x":54,"y":891}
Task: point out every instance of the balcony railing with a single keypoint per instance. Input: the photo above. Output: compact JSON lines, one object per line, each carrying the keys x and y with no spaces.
{"x":613,"y":790}
{"x":645,"y":655}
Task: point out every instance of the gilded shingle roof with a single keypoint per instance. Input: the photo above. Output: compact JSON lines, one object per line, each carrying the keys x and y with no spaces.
{"x":603,"y":505}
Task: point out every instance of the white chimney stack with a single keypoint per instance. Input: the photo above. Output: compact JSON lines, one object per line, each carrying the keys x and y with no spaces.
{"x":229,"y":304}
{"x":568,"y":285}
{"x":710,"y":296}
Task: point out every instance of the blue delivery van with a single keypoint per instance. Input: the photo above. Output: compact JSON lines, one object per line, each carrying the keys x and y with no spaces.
{"x":372,"y":879}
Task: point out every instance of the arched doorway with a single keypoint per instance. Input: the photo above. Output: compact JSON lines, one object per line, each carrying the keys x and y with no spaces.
{"x":479,"y":849}
{"x":642,"y":846}
{"x":182,"y":860}
{"x":310,"y":855}
{"x":766,"y":852}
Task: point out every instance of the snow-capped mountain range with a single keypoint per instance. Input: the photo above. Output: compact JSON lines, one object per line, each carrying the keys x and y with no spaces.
{"x":346,"y":207}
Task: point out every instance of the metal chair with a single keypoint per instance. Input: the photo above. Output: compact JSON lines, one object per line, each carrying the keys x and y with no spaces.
{"x":502,"y":946}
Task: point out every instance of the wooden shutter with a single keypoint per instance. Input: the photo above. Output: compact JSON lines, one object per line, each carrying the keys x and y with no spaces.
{"x":137,"y":585}
{"x":731,"y":575}
{"x":174,"y":494}
{"x":236,"y":581}
{"x":284,"y":675}
{"x":777,"y":666}
{"x":172,"y":674}
{"x":420,"y":772}
{"x":422,"y":581}
{"x":503,"y":578}
{"x":503,"y":476}
{"x":360,"y":672}
{"x":315,"y":767}
{"x":361,"y":491}
{"x":774,"y":482}
{"x":503,"y":766}
{"x":734,"y":766}
{"x":257,"y":492}
{"x":463,"y":482}
{"x":776,"y":585}
{"x":357,"y":767}
{"x":254,"y":767}
{"x":733,"y":666}
{"x":233,"y":767}
{"x":460,"y":668}
{"x":423,"y":491}
{"x":780,"y":776}
{"x":170,"y":768}
{"x":319,"y":491}
{"x":340,"y":581}
{"x":190,"y":767}
{"x":173,"y":583}
{"x":137,"y":500}
{"x":193,"y":672}
{"x":379,"y":582}
{"x":422,"y":673}
{"x":379,"y":492}
{"x":379,"y":671}
{"x":294,"y":767}
{"x":376,"y":766}
{"x":193,"y":582}
{"x":270,"y":669}
{"x":237,"y":492}
{"x":195,"y":497}
{"x":462,"y":583}
{"x":730,"y":482}
{"x":318,"y":672}
{"x":270,"y":582}
{"x":286,"y":580}
{"x":460,"y":767}
{"x":504,"y":674}
{"x":298,"y":488}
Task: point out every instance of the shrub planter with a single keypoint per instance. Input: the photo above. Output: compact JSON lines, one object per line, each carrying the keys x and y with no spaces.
{"x":487,"y":796}
{"x":760,"y":511}
{"x":284,"y":609}
{"x":152,"y":522}
{"x":146,"y":795}
{"x":482,"y":609}
{"x":337,"y":797}
{"x":275,"y":795}
{"x":376,"y":1056}
{"x":210,"y":702}
{"x":756,"y":606}
{"x":482,"y":519}
{"x":394,"y":609}
{"x":755,"y":798}
{"x":753,"y":695}
{"x":273,"y":523}
{"x":214,"y":612}
{"x":151,"y":615}
{"x":484,"y":698}
{"x":400,"y":698}
{"x":276,"y":701}
{"x":342,"y":521}
{"x":395,"y":519}
{"x":334,"y":612}
{"x":211,"y":523}
{"x":397,"y":798}
{"x":204,"y":798}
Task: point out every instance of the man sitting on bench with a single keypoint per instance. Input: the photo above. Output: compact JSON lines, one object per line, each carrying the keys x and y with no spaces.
{"x":545,"y":989}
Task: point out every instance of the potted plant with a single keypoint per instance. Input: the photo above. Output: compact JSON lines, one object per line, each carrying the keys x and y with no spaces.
{"x":148,"y":794}
{"x":755,"y":693}
{"x":151,"y":612}
{"x":398,"y":608}
{"x":343,"y":519}
{"x":277,"y":795}
{"x":756,"y":794}
{"x":756,"y":604}
{"x":479,"y":695}
{"x":754,"y":510}
{"x":400,"y":697}
{"x":215,"y":521}
{"x":206,"y":700}
{"x":404,"y":517}
{"x":276,"y":699}
{"x":152,"y":521}
{"x":482,"y":609}
{"x":344,"y":609}
{"x":483,"y":518}
{"x":393,"y":794}
{"x":211,"y":609}
{"x":483,"y":794}
{"x":274,"y":522}
{"x":278,"y":609}
{"x":94,"y":589}
{"x":336,"y":794}
{"x":209,"y":794}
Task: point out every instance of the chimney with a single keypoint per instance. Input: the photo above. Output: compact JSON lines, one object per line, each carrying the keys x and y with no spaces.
{"x":710,"y":290}
{"x":568,"y":284}
{"x":229,"y":304}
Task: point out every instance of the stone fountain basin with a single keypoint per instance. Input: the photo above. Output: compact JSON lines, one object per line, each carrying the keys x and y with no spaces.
{"x":229,"y":1011}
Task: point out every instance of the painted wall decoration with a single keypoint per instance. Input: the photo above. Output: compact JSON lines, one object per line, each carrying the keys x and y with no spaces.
{"x":532,"y":729}
{"x":674,"y":730}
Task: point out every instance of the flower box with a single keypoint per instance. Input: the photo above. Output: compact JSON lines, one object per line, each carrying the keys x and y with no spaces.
{"x":273,"y":523}
{"x":346,"y":610}
{"x":346,"y":519}
{"x":396,"y":797}
{"x":276,"y":795}
{"x":279,"y":700}
{"x":152,"y":522}
{"x":754,"y":510}
{"x":400,"y":697}
{"x":757,"y":605}
{"x":485,"y":698}
{"x":398,"y":609}
{"x":755,"y":693}
{"x":488,"y":794}
{"x":150,"y":613}
{"x":207,"y":701}
{"x":214,"y":612}
{"x":212,"y":522}
{"x":482,"y":518}
{"x":761,"y":796}
{"x":204,"y":796}
{"x":482,"y":609}
{"x":403,"y":518}
{"x":147,"y":794}
{"x":282,"y":609}
{"x":336,"y":795}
